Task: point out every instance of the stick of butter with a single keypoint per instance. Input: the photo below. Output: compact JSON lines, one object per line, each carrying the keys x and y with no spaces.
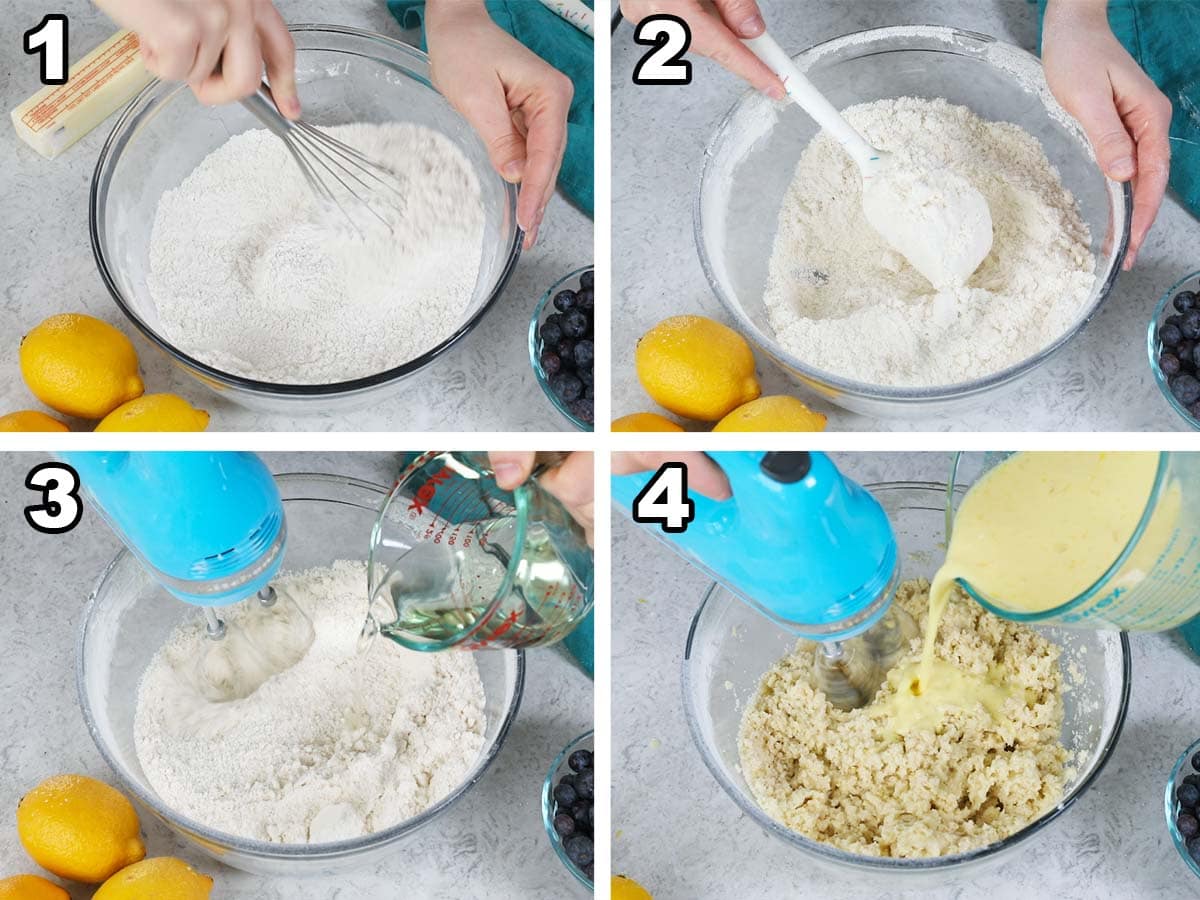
{"x":99,"y":84}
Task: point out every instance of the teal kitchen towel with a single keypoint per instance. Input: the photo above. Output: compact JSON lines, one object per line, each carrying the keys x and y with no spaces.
{"x":566,"y":48}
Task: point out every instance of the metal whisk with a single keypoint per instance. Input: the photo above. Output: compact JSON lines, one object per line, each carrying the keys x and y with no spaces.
{"x":314,"y":151}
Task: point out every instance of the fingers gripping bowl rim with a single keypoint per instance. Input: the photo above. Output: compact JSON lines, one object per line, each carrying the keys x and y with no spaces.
{"x":351,"y":72}
{"x":749,"y":163}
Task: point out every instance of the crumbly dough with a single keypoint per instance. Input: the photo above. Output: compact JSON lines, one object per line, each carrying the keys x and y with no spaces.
{"x":843,"y":778}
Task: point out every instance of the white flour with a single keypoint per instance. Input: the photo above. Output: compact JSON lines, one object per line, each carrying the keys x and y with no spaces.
{"x":250,"y":276}
{"x":842,"y":300}
{"x":338,"y":746}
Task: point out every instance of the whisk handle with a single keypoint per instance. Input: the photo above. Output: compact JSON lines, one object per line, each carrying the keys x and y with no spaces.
{"x":262,"y":106}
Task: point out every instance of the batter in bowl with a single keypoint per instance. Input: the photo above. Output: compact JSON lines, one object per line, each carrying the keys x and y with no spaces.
{"x":880,"y":781}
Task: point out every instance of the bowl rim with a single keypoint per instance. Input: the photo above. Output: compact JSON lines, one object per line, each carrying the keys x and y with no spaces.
{"x":107,"y":158}
{"x":1153,"y":346}
{"x":829,"y":853}
{"x":548,"y":805}
{"x":827,"y":384}
{"x":539,"y":374}
{"x":210,"y":837}
{"x":1170,"y":806}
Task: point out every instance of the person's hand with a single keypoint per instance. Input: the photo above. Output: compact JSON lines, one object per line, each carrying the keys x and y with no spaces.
{"x":219,"y":47}
{"x":1126,"y":117}
{"x":572,"y":481}
{"x":717,"y":30}
{"x":703,"y":475}
{"x":517,"y":102}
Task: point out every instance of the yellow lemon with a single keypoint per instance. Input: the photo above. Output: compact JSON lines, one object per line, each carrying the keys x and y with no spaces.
{"x":696,"y":368}
{"x":627,"y":889}
{"x":30,"y":420}
{"x":772,"y":414}
{"x":645,"y":422}
{"x":30,"y":887}
{"x":155,"y":412}
{"x":160,"y":878}
{"x":80,"y":366}
{"x":79,"y":828}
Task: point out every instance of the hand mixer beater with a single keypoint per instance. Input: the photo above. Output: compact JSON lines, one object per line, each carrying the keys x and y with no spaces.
{"x":809,"y":549}
{"x":210,"y":528}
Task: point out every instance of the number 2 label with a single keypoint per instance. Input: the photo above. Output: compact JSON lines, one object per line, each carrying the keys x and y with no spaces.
{"x":664,"y":500}
{"x":670,"y":37}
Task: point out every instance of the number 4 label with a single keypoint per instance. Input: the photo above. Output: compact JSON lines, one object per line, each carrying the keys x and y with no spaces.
{"x":664,"y":500}
{"x":670,"y":37}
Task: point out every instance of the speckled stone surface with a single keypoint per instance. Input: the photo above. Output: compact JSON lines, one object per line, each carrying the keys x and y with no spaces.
{"x":489,"y":844}
{"x":1098,"y":382}
{"x":46,"y":267}
{"x":681,"y":835}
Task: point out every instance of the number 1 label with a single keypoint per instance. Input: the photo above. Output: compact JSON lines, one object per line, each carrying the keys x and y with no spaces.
{"x":49,"y":39}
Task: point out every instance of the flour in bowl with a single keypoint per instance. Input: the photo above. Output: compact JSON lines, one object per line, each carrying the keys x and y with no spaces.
{"x":252,"y":277}
{"x":340,"y":745}
{"x":840,"y":299}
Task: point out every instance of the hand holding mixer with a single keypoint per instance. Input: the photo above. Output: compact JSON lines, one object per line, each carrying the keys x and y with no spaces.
{"x":209,"y":527}
{"x":809,"y":549}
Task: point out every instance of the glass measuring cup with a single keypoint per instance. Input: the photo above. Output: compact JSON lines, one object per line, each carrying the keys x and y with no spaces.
{"x":458,"y":562}
{"x":1152,"y":585}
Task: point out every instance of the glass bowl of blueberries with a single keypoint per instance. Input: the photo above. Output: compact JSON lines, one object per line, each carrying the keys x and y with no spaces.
{"x":568,"y":796}
{"x":562,"y":346}
{"x":1173,"y":341}
{"x":1182,"y":803}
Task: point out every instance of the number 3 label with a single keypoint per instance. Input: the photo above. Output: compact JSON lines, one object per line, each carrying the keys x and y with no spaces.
{"x":60,"y":509}
{"x":670,"y":37}
{"x":664,"y":500}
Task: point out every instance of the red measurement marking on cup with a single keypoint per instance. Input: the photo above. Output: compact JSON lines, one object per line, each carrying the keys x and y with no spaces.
{"x":509,"y":621}
{"x":427,"y":491}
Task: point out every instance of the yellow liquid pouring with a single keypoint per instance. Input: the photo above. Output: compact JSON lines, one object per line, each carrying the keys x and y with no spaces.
{"x":1032,"y":534}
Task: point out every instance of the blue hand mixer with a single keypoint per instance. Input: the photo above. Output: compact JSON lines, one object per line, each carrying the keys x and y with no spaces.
{"x":811,"y":550}
{"x":210,"y":529}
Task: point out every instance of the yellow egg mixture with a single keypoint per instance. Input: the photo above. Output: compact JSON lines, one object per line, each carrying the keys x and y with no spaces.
{"x":961,"y":746}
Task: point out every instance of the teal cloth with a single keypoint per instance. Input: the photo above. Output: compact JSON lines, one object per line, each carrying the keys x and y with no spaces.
{"x":1161,"y":36}
{"x":566,"y":48}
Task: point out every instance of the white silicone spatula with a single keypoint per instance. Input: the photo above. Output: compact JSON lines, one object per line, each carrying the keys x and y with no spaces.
{"x":933,"y":217}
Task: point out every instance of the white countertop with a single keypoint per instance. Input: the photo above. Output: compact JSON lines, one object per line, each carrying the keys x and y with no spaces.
{"x":47,"y":267}
{"x":1098,"y":382}
{"x":491,"y":841}
{"x":682,"y":836}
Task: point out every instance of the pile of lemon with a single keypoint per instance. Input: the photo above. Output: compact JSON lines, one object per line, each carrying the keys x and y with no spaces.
{"x":82,"y":367}
{"x":81,"y":829}
{"x":700,"y":369}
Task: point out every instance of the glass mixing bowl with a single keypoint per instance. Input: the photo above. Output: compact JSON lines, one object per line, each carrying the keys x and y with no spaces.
{"x":128,"y":617}
{"x":543,"y":310}
{"x":730,"y":646}
{"x":345,"y":75}
{"x":1181,"y":770}
{"x":752,"y":157}
{"x":1154,"y":347}
{"x":558,"y":769}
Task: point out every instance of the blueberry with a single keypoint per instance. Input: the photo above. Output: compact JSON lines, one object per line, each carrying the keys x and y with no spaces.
{"x":1194,"y":412}
{"x":564,"y":825}
{"x":585,"y":784}
{"x":1186,"y":390}
{"x":1185,"y":352}
{"x":581,"y":812}
{"x":551,"y":333}
{"x":1191,"y":324}
{"x":1188,"y":779}
{"x":1170,"y":335}
{"x":585,"y":354}
{"x":587,"y":871}
{"x":1196,"y":761}
{"x":579,"y":849}
{"x":587,"y":376}
{"x":575,"y":324}
{"x":552,"y":362}
{"x":1168,"y":363}
{"x":564,"y":794}
{"x":1184,"y":301}
{"x":1188,"y":795}
{"x":564,"y":301}
{"x":580,"y":760}
{"x":589,"y":392}
{"x":1193,"y":848}
{"x":587,"y":300}
{"x":1188,"y":825}
{"x":566,"y":349}
{"x":1173,"y":320}
{"x":584,"y":410}
{"x":569,"y":388}
{"x":587,"y":279}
